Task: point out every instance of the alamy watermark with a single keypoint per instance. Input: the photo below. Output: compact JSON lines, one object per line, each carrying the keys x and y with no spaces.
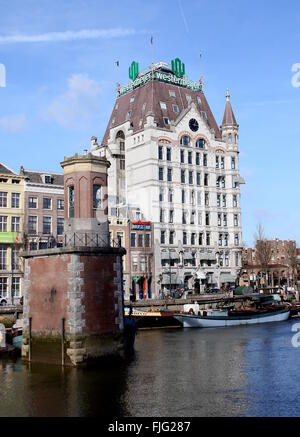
{"x":2,"y":76}
{"x":296,"y":77}
{"x":296,"y":337}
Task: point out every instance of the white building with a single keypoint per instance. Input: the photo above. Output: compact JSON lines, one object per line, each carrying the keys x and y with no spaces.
{"x":172,"y":165}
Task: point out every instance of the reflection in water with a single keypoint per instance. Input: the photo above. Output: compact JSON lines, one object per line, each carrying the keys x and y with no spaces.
{"x":238,"y":371}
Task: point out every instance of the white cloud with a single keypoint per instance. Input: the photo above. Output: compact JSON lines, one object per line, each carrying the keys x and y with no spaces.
{"x":77,"y":105}
{"x":68,"y":35}
{"x":13,"y":123}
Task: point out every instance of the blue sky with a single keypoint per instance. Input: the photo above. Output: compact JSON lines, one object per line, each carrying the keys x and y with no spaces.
{"x":61,"y":79}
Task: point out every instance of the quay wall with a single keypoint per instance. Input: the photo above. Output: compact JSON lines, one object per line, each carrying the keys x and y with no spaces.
{"x":83,"y":287}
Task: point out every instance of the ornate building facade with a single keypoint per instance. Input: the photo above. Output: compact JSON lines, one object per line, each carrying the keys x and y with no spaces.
{"x":173,"y":166}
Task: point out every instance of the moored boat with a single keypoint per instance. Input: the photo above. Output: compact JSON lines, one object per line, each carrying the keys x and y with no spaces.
{"x":222,"y":318}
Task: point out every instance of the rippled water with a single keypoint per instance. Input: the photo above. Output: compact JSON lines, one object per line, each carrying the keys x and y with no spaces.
{"x":238,"y":371}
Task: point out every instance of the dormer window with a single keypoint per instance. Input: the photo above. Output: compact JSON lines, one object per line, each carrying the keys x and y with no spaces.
{"x":199,"y":100}
{"x":163,"y":105}
{"x":203,"y":113}
{"x":48,"y":179}
{"x":172,"y":93}
{"x":132,"y":99}
{"x":175,"y":108}
{"x":166,"y":120}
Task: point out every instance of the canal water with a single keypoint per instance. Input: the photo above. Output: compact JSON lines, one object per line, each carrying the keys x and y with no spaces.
{"x":237,"y":371}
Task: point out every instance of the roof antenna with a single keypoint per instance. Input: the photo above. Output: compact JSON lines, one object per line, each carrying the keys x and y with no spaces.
{"x":118,"y":82}
{"x":152,"y":69}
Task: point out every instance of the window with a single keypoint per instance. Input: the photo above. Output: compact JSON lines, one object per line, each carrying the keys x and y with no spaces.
{"x":169,"y":174}
{"x":206,"y":179}
{"x":60,"y":226}
{"x":140,"y":240}
{"x":32,"y":202}
{"x":222,"y":163}
{"x":142,"y":263}
{"x":172,"y":93}
{"x":225,"y":220}
{"x":236,"y":239}
{"x":128,"y":115}
{"x":219,"y":219}
{"x":199,"y":218}
{"x":235,"y":220}
{"x":15,"y":224}
{"x":220,"y":239}
{"x":162,"y":216}
{"x":163,"y":105}
{"x":204,"y":159}
{"x":217,"y":162}
{"x":171,"y":237}
{"x":199,"y":100}
{"x":162,"y":237}
{"x":161,"y":194}
{"x":147,"y":240}
{"x":224,"y":201}
{"x":132,"y":99}
{"x":208,"y":239}
{"x":182,"y":196}
{"x":192,"y":197}
{"x":60,"y":204}
{"x":3,"y":287}
{"x":185,"y":140}
{"x":3,"y":257}
{"x":206,"y":199}
{"x":207,"y":218}
{"x":15,"y":200}
{"x":96,"y":196}
{"x":200,"y":240}
{"x":168,"y":154}
{"x":47,"y":225}
{"x":226,"y":240}
{"x":234,"y":200}
{"x":134,"y":263}
{"x":175,"y":108}
{"x":236,"y":259}
{"x":218,"y":182}
{"x":160,"y":152}
{"x":182,"y":156}
{"x":182,"y":176}
{"x":144,"y":106}
{"x":47,"y":203}
{"x":218,"y":199}
{"x":184,"y":237}
{"x":71,"y":198}
{"x":16,"y":286}
{"x":226,"y":259}
{"x":198,"y":197}
{"x":32,"y":224}
{"x":132,"y":239}
{"x":171,"y":216}
{"x":161,"y":173}
{"x":166,"y":121}
{"x":229,"y":138}
{"x":122,"y":164}
{"x":190,"y":177}
{"x":188,"y":98}
{"x":190,"y":158}
{"x":3,"y":223}
{"x":48,"y":180}
{"x":223,"y":182}
{"x":200,"y":143}
{"x":15,"y":259}
{"x":193,"y":217}
{"x":233,"y":163}
{"x":203,"y":113}
{"x":184,"y":217}
{"x":3,"y":199}
{"x":198,"y":179}
{"x":197,"y":158}
{"x":170,"y":195}
{"x":122,"y":143}
{"x":193,"y":239}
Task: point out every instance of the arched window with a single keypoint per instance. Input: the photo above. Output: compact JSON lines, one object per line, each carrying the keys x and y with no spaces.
{"x":96,"y":196}
{"x":71,"y":199}
{"x":229,"y":138}
{"x":120,"y":134}
{"x":200,"y":143}
{"x":185,"y":140}
{"x":120,"y":139}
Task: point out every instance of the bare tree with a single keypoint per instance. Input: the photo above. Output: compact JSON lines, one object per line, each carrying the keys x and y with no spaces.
{"x":292,"y":259}
{"x":263,"y":249}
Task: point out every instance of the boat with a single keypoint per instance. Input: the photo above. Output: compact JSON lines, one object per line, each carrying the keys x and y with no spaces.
{"x":17,"y":334}
{"x":214,"y":318}
{"x":153,"y":319}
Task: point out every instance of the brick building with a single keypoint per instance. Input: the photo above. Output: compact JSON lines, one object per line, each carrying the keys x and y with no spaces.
{"x":44,"y":208}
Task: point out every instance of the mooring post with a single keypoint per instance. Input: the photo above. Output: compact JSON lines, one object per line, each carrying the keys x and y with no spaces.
{"x":62,"y":341}
{"x":30,"y":351}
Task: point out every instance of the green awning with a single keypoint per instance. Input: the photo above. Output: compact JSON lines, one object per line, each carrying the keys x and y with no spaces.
{"x":8,"y":237}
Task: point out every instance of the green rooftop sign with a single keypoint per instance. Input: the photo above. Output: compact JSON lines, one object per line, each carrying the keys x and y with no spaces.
{"x":178,"y":67}
{"x":133,"y":70}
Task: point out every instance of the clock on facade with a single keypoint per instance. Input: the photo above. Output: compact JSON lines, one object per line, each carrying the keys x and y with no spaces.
{"x":193,"y":123}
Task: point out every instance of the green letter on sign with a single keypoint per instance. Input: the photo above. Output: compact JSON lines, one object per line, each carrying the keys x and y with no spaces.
{"x":178,"y":67}
{"x":133,"y":70}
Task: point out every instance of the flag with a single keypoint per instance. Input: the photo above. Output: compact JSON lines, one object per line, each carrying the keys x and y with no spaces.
{"x":151,"y":40}
{"x":200,"y":55}
{"x":118,"y":63}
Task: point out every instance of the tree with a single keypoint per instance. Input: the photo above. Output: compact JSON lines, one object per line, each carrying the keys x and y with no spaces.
{"x":292,"y":259}
{"x":263,"y":249}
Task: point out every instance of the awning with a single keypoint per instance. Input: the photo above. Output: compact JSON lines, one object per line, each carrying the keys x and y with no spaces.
{"x":188,"y":255}
{"x":226,"y":277}
{"x":9,"y":237}
{"x":207,"y":256}
{"x":167,"y":278}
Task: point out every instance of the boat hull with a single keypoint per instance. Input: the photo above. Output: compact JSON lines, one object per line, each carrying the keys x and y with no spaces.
{"x":192,"y":321}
